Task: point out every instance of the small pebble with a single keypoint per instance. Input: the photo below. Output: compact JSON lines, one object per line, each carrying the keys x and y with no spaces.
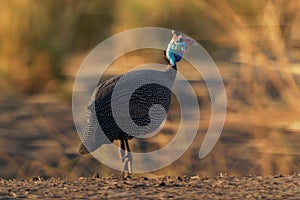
{"x":161,"y":184}
{"x":96,"y":175}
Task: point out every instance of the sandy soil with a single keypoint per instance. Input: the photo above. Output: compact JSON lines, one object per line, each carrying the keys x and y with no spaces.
{"x":193,"y":187}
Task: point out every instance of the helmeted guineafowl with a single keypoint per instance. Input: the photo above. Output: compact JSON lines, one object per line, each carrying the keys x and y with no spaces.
{"x":100,"y":115}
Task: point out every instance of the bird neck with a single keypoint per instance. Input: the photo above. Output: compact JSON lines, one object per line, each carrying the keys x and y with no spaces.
{"x":171,"y":74}
{"x":174,"y":67}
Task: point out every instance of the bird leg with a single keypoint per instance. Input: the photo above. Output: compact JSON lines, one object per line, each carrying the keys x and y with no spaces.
{"x":129,"y":157}
{"x":122,"y":149}
{"x":126,"y":158}
{"x":122,"y":155}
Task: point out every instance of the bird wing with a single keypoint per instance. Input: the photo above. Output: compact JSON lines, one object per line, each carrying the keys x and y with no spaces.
{"x":141,"y":99}
{"x":101,"y":98}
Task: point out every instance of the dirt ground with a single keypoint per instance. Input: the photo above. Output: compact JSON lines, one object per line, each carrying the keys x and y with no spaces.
{"x":180,"y":187}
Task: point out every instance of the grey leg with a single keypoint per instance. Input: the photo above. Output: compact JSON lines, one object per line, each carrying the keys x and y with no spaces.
{"x":129,"y":157}
{"x":123,"y":157}
{"x":122,"y":150}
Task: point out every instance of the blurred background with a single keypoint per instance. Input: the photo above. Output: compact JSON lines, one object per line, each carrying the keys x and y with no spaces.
{"x":255,"y":44}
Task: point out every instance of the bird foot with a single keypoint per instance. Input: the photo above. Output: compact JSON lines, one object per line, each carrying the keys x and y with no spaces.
{"x":125,"y":175}
{"x":126,"y":168}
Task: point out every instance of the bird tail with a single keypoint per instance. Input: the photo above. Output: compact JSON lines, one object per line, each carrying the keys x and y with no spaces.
{"x":83,"y":150}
